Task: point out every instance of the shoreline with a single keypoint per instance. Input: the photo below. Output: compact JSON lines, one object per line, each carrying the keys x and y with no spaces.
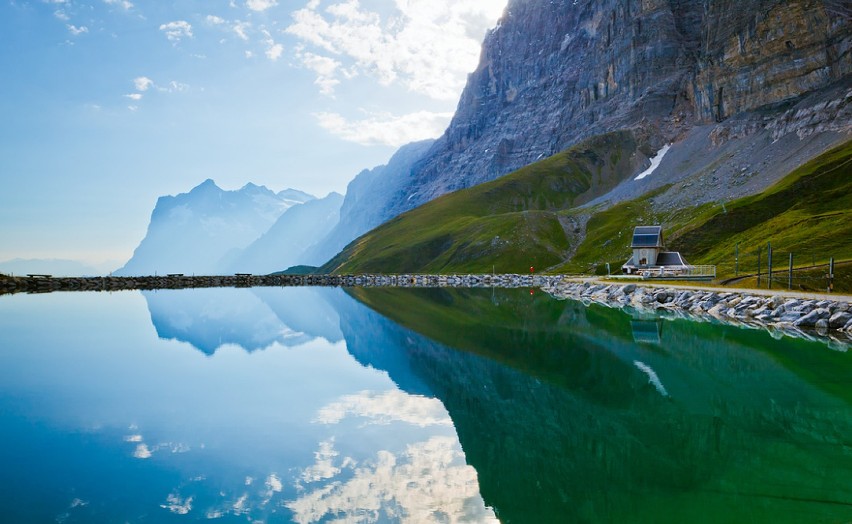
{"x":48,"y":284}
{"x":805,"y":315}
{"x":812,"y":316}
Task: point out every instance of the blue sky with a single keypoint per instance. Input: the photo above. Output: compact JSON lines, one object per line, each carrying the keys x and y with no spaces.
{"x":108,"y":104}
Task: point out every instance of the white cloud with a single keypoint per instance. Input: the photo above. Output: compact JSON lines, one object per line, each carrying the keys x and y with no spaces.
{"x":273,"y":49}
{"x":240,"y":29}
{"x":386,"y":407}
{"x":177,"y":30}
{"x":260,"y":5}
{"x":274,"y":52}
{"x":175,"y":87}
{"x":61,"y":15}
{"x":325,"y":69}
{"x":124,"y":4}
{"x":215,"y":20}
{"x":428,"y":46}
{"x":76,"y":31}
{"x":386,"y":129}
{"x":134,"y":96}
{"x":142,"y":83}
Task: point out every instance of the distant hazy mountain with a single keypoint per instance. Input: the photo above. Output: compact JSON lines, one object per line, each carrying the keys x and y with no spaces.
{"x":369,"y":199}
{"x":191,"y":233}
{"x":50,"y":266}
{"x":284,"y":244}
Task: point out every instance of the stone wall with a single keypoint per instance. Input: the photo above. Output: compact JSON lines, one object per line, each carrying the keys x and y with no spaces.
{"x":787,"y":315}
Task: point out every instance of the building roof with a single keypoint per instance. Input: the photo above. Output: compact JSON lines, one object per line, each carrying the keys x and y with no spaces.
{"x":647,"y":236}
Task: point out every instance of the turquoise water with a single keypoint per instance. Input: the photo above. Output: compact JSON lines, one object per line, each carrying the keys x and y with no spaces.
{"x":399,"y":405}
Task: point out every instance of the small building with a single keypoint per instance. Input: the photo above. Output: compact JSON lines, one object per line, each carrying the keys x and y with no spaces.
{"x":650,"y":257}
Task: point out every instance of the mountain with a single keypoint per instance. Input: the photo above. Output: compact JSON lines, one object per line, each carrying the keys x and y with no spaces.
{"x":713,"y":104}
{"x":370,"y":198}
{"x":286,"y":241}
{"x":192,"y":232}
{"x":506,"y":225}
{"x":544,"y":216}
{"x":555,"y":72}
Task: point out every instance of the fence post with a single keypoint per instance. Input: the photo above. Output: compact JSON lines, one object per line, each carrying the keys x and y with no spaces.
{"x":790,"y":275}
{"x":737,"y":260}
{"x":758,"y":267}
{"x":831,"y":274}
{"x":769,"y":262}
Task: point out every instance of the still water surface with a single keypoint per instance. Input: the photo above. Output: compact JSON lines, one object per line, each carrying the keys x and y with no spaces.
{"x":399,"y":405}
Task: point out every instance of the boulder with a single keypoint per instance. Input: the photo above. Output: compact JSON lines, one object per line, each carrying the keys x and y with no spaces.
{"x":839,"y":320}
{"x":810,"y":319}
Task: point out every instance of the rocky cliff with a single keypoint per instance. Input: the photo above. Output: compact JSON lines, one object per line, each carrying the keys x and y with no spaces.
{"x":370,"y":199}
{"x":557,"y":71}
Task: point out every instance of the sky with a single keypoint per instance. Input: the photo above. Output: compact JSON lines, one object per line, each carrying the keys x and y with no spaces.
{"x":108,"y":104}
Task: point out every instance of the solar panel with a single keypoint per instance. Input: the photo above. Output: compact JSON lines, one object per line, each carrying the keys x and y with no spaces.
{"x":645,"y":240}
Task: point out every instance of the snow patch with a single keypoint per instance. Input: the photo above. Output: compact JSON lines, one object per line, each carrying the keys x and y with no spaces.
{"x":655,"y":162}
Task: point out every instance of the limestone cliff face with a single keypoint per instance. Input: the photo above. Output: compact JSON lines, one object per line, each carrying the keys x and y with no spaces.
{"x":557,"y":71}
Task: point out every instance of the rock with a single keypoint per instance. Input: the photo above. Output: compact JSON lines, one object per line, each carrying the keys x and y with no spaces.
{"x":839,"y":320}
{"x":717,"y":311}
{"x":791,"y":305}
{"x":810,"y":319}
{"x":628,"y":289}
{"x":821,"y":323}
{"x":778,"y":311}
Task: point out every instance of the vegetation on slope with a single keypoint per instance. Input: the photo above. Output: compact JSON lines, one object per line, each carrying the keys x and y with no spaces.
{"x":530,"y":217}
{"x":808,"y":212}
{"x":506,"y":225}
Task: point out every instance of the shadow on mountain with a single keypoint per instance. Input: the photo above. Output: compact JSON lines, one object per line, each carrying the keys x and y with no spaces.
{"x":252,"y":319}
{"x":581,"y":414}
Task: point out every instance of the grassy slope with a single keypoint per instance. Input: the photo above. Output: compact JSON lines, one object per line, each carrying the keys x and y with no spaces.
{"x":808,"y":212}
{"x":515,"y":222}
{"x":509,"y":224}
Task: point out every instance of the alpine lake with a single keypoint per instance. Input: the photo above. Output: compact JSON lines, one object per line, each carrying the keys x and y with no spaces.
{"x":384,"y":405}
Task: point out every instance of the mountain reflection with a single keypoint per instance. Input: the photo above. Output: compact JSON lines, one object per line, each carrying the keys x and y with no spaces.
{"x":252,"y":319}
{"x":581,"y":414}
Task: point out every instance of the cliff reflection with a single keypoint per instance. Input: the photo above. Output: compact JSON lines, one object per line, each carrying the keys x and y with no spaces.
{"x":578,"y":414}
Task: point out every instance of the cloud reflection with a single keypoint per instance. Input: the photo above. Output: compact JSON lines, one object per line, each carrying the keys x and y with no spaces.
{"x":386,"y":407}
{"x":428,"y":482}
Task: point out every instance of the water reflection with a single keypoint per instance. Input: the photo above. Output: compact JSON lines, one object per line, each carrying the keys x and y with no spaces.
{"x":103,"y":420}
{"x":252,"y":319}
{"x":567,"y":418}
{"x":429,"y":405}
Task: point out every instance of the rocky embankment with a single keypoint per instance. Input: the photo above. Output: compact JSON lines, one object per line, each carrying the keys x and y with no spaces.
{"x":42,"y":284}
{"x":793,"y":316}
